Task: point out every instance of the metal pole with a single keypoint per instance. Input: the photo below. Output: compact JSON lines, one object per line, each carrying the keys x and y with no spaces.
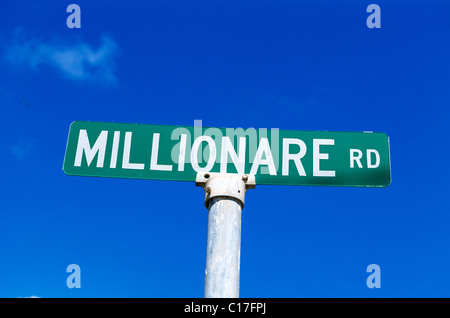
{"x":224,"y":198}
{"x":223,"y":248}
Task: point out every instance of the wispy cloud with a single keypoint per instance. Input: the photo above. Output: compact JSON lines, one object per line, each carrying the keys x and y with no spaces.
{"x":80,"y":61}
{"x":22,"y":149}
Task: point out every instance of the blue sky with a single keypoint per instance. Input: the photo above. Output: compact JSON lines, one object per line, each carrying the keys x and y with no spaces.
{"x":297,"y":65}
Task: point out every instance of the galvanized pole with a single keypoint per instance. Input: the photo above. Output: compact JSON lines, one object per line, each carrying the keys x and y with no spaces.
{"x":224,"y":198}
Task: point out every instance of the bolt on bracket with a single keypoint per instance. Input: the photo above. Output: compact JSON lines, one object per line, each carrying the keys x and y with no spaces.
{"x":232,"y":185}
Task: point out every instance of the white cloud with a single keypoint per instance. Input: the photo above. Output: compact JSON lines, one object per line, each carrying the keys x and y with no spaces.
{"x":75,"y":61}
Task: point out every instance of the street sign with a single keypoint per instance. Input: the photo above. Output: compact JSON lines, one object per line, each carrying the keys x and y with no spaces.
{"x":280,"y":157}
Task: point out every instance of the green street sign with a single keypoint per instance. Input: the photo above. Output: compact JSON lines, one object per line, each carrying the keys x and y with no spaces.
{"x":283,"y":157}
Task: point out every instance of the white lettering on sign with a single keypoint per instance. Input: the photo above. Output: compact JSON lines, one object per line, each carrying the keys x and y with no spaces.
{"x":317,"y":156}
{"x":83,"y":146}
{"x":194,"y":154}
{"x":182,"y":152}
{"x":126,"y":154}
{"x":228,"y":149}
{"x":154,"y":158}
{"x":357,"y":158}
{"x":294,"y":157}
{"x":263,"y":149}
{"x":235,"y":150}
{"x":115,"y":149}
{"x":371,"y":165}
